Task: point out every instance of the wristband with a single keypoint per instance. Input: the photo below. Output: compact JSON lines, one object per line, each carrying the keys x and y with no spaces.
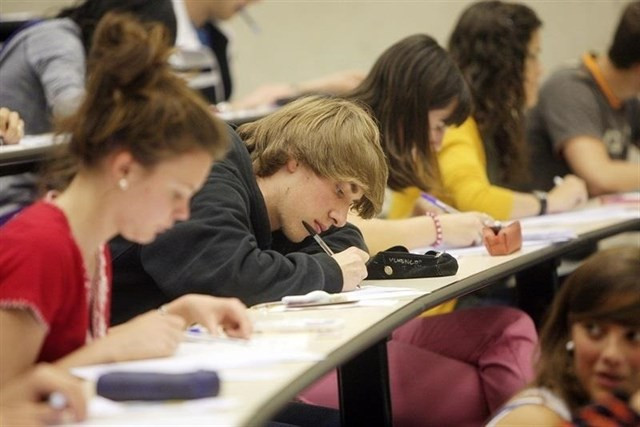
{"x":542,"y":199}
{"x":438,"y":225}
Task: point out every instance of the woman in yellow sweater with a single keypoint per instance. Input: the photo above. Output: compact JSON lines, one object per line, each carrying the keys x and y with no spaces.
{"x":483,"y":161}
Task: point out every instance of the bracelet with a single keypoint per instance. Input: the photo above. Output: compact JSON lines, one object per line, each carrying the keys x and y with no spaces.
{"x":438,"y":225}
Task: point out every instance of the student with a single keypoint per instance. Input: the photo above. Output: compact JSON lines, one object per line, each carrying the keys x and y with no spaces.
{"x":311,"y":161}
{"x":43,"y":66}
{"x":416,"y":81}
{"x":23,"y":401}
{"x":589,"y":345}
{"x":143,"y":143}
{"x":199,"y":25}
{"x":481,"y":356}
{"x":496,"y":45}
{"x":587,"y":120}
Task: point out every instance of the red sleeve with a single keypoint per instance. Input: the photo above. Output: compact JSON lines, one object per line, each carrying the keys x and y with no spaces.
{"x":36,"y":268}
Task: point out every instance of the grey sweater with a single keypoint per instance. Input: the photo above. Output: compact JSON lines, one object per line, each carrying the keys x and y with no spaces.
{"x":42,"y":73}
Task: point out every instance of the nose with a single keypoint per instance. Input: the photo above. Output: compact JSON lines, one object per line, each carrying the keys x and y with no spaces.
{"x":339,"y":216}
{"x":612,"y":351}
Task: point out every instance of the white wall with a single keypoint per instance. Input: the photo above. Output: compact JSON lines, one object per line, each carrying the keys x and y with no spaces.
{"x":302,"y":39}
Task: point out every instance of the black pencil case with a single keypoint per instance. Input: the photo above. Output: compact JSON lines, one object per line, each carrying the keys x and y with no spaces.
{"x":398,"y":263}
{"x":124,"y":385}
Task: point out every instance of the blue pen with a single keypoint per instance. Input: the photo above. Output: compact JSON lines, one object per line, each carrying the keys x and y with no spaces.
{"x":439,"y":204}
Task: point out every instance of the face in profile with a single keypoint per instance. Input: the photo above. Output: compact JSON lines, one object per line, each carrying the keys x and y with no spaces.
{"x":606,"y":357}
{"x":321,"y":202}
{"x":438,"y":124}
{"x":155,"y":199}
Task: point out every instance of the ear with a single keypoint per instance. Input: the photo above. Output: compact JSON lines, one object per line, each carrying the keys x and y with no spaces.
{"x":292,"y":165}
{"x":121,"y":164}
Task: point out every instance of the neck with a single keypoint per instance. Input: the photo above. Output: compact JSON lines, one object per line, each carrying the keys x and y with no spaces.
{"x":88,"y":211}
{"x":270,"y":192}
{"x":623,"y":83}
{"x":197,"y":11}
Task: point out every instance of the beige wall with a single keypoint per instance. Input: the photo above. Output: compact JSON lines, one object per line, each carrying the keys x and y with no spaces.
{"x":301,"y":39}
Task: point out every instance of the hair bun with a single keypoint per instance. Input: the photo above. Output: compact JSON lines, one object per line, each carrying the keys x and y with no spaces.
{"x":128,"y":54}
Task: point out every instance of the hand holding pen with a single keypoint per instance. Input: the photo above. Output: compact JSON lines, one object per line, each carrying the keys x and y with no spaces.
{"x":352,"y":261}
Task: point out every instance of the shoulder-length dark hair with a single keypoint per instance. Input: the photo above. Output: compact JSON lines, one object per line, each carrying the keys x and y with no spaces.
{"x":409,"y":79}
{"x":490,"y":43}
{"x":605,"y":288}
{"x":88,"y":13}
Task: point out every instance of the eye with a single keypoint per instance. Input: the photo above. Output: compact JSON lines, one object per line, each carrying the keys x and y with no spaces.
{"x":339,"y":191}
{"x":634,"y":336}
{"x":594,"y":330}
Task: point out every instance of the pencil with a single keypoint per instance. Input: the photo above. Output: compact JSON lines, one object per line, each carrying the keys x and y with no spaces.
{"x":318,"y":239}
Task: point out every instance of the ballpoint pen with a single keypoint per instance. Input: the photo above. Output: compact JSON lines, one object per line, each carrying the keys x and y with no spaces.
{"x":439,"y":204}
{"x":318,"y":239}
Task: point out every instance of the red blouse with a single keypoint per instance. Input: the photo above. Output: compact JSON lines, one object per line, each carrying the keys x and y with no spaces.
{"x":41,"y":269}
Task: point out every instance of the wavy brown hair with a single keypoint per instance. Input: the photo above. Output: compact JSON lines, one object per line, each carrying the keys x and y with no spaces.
{"x":605,"y":288}
{"x":489,"y":44}
{"x":410,"y":78}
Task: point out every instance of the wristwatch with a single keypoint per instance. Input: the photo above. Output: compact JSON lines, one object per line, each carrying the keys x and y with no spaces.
{"x":542,"y":199}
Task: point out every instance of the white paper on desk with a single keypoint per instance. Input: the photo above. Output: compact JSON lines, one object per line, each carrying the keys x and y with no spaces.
{"x":547,"y":234}
{"x":205,"y":411}
{"x":602,"y":213}
{"x":370,"y":292}
{"x":211,"y":356}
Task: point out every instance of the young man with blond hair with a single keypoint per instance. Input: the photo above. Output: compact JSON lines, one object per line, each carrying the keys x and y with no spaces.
{"x":311,"y":161}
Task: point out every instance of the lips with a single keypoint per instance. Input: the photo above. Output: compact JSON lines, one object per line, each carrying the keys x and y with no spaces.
{"x":608,"y":380}
{"x":318,"y":227}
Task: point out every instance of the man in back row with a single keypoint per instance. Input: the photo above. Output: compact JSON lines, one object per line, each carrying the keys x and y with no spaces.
{"x":311,"y":161}
{"x":587,"y":120}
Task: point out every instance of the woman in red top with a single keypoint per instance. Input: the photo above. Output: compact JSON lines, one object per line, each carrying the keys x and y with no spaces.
{"x":143,"y":143}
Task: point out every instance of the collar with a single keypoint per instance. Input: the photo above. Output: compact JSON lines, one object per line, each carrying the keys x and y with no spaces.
{"x":589,"y":61}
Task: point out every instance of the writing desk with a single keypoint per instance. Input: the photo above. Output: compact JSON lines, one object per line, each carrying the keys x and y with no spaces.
{"x":358,"y":348}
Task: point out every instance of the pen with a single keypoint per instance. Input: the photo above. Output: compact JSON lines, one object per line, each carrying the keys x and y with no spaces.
{"x":250,"y":21}
{"x":57,"y":401}
{"x":439,"y":204}
{"x":318,"y":239}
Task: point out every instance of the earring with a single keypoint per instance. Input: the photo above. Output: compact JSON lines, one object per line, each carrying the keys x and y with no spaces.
{"x":570,"y":346}
{"x":123,"y":183}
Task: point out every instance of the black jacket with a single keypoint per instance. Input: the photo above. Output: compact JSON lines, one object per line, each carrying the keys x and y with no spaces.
{"x":225,"y":249}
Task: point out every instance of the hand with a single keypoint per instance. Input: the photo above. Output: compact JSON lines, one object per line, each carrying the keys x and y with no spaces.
{"x":153,"y":334}
{"x":463,"y":229}
{"x":23,"y":400}
{"x":212,"y":312}
{"x":352,"y":263}
{"x":567,"y":195}
{"x":11,"y":126}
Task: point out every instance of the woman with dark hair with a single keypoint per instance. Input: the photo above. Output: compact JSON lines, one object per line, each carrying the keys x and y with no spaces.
{"x":43,"y":65}
{"x":589,"y":346}
{"x":143,"y":144}
{"x":414,"y":91}
{"x":480,"y":356}
{"x":496,"y":45}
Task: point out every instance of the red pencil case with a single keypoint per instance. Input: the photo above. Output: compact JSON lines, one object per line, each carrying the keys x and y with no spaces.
{"x":502,"y":240}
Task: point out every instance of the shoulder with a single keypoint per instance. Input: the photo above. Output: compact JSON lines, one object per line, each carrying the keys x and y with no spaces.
{"x":52,"y":37}
{"x":39,"y":232}
{"x":575,"y":81}
{"x":532,"y":406}
{"x":467,"y":130}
